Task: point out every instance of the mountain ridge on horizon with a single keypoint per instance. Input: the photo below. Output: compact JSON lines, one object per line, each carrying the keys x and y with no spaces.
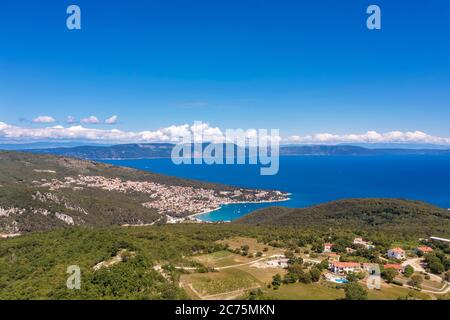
{"x":163,"y":150}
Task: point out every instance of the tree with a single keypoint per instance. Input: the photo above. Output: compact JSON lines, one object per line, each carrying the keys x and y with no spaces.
{"x":290,"y":277}
{"x":352,"y":277}
{"x":315,"y":274}
{"x":408,"y":271}
{"x":305,"y":277}
{"x":296,"y":268}
{"x":436,"y":267}
{"x":289,"y":254}
{"x":354,"y":291}
{"x":255,"y":294}
{"x":340,"y":245}
{"x":276,"y":280}
{"x":415,"y":281}
{"x":389,"y":274}
{"x":323,"y":265}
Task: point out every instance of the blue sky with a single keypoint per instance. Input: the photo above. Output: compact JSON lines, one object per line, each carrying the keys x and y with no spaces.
{"x":305,"y":67}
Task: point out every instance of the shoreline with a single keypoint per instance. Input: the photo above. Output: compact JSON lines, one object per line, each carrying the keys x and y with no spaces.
{"x":195,"y":215}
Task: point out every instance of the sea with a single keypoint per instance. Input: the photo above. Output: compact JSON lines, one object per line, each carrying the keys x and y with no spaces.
{"x":317,"y":179}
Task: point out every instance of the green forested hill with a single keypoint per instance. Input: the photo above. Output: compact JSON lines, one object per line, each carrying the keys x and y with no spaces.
{"x":34,"y":188}
{"x":163,"y":150}
{"x":34,"y":266}
{"x":389,"y":215}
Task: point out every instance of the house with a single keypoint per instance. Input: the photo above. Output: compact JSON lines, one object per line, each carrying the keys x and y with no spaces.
{"x":349,"y":250}
{"x":333,"y":256}
{"x":424,"y":249}
{"x":365,"y":244}
{"x":397,"y":267}
{"x":327,"y":247}
{"x":396,"y":253}
{"x":344,"y":267}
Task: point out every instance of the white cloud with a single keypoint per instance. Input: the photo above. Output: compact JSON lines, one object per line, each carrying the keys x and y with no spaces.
{"x":90,"y":120}
{"x":370,"y":137}
{"x":71,"y":120}
{"x":44,"y":119}
{"x":174,"y":133}
{"x":111,"y":120}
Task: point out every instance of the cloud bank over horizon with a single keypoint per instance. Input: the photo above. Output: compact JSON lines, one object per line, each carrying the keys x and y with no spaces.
{"x":77,"y":132}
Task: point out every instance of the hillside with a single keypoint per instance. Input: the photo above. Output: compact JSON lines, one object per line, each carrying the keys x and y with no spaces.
{"x":163,"y":150}
{"x":390,"y":215}
{"x":121,"y":151}
{"x":44,"y":192}
{"x":34,"y":266}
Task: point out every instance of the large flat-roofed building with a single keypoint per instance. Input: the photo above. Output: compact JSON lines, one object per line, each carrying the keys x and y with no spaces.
{"x":447,"y":241}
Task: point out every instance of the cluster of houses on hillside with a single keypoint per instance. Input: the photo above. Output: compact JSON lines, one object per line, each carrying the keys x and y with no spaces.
{"x":167,"y":199}
{"x":340,"y":267}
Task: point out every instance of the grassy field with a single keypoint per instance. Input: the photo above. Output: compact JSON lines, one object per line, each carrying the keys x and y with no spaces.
{"x":254,"y":245}
{"x":219,"y":283}
{"x":234,"y":281}
{"x":393,"y":292}
{"x":221,"y":259}
{"x":264,"y":275}
{"x":300,"y":291}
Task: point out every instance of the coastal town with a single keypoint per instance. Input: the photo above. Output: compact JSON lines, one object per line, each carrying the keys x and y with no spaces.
{"x":174,"y":201}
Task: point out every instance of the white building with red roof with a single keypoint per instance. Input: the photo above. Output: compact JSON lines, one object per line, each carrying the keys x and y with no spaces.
{"x":344,"y":267}
{"x":327,"y":247}
{"x":424,"y":249}
{"x":396,"y":253}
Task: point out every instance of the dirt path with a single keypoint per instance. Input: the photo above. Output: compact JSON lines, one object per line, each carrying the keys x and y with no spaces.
{"x":416,"y":263}
{"x":221,"y":296}
{"x":233,"y":265}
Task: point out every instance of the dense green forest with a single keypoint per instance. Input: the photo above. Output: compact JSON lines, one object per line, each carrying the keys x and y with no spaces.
{"x":34,"y":266}
{"x":386,"y":215}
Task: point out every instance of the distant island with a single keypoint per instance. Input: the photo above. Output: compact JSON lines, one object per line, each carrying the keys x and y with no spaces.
{"x":163,"y":150}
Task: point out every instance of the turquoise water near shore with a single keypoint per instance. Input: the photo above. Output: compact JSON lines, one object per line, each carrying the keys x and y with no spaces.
{"x":318,"y":179}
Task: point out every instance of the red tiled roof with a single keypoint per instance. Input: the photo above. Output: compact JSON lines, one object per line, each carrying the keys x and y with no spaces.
{"x":425,"y":249}
{"x":332,"y":254}
{"x":393,"y":266}
{"x":399,"y":250}
{"x":346,"y":264}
